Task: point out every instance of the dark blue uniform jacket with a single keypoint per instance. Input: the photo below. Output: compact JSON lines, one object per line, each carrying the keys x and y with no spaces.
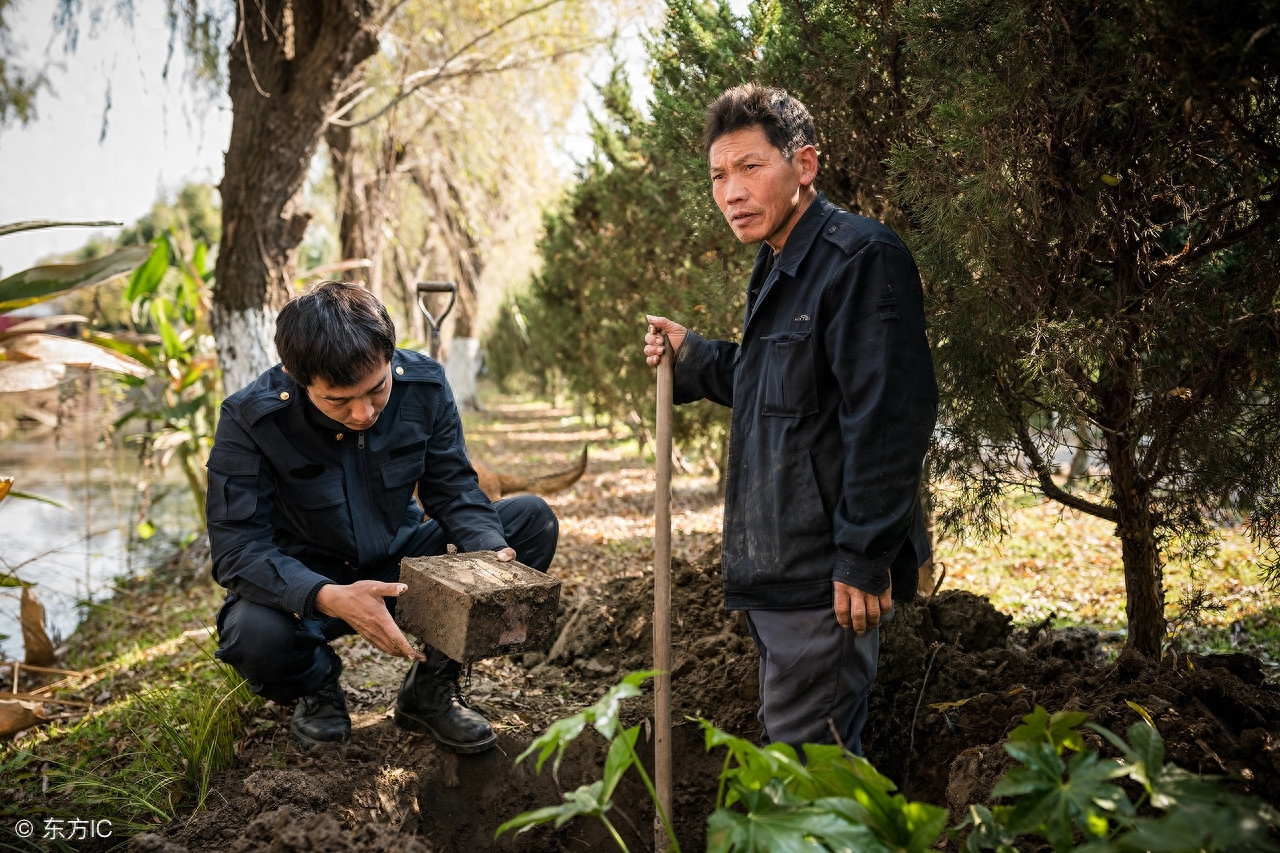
{"x":296,"y":500}
{"x":834,"y":401}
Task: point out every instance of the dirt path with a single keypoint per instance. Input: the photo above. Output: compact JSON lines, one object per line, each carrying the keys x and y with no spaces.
{"x":389,"y":790}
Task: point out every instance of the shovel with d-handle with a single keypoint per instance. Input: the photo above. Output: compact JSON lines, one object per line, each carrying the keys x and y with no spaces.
{"x":425,"y":287}
{"x":663,"y":834}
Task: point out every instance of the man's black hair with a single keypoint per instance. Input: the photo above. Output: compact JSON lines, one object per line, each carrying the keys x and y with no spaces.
{"x":784,"y":120}
{"x":336,"y":331}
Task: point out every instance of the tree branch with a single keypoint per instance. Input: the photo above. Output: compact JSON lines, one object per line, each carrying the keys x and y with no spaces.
{"x":1044,"y":476}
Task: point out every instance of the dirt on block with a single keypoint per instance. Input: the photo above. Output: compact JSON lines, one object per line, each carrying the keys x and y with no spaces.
{"x":472,"y":606}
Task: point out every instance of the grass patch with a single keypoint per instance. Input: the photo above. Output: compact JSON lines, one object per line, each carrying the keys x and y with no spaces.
{"x":167,"y":714}
{"x":1065,"y":566}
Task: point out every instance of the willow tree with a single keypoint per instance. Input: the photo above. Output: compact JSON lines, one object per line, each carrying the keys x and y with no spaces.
{"x":440,"y":150}
{"x":1092,"y":189}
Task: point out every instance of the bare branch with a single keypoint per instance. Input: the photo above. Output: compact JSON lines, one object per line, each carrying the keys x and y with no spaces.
{"x":1044,"y":476}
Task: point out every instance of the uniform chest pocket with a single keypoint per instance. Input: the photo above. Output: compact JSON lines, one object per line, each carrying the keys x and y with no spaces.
{"x":789,"y":381}
{"x":233,"y":485}
{"x":404,"y":470}
{"x":315,"y":493}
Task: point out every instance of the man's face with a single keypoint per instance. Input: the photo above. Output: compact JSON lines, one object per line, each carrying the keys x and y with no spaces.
{"x":356,"y":406}
{"x":760,"y":192}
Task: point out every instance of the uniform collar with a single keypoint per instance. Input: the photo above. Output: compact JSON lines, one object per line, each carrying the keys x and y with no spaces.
{"x":803,"y":233}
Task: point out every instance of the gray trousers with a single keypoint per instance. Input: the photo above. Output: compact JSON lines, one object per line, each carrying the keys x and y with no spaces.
{"x":814,"y":676}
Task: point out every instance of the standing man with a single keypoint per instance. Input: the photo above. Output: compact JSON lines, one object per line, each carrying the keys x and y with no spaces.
{"x":311,"y":507}
{"x":834,"y":401}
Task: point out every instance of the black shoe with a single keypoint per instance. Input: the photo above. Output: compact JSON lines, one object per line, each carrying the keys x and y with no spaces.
{"x":322,"y":717}
{"x":430,"y":700}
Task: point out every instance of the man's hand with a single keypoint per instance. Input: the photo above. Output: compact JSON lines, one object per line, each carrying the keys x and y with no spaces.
{"x":506,"y":555}
{"x":653,"y":340}
{"x":361,"y":606}
{"x":860,"y":610}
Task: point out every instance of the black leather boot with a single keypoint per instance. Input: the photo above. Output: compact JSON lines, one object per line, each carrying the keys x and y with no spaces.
{"x":322,"y":717}
{"x":430,"y":700}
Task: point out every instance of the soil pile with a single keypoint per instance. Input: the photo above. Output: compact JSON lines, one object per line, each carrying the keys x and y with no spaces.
{"x":955,"y":681}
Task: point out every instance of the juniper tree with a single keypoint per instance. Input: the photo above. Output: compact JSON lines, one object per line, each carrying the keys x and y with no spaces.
{"x":1093,"y":194}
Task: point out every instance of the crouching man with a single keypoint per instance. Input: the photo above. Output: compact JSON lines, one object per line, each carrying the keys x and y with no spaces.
{"x":311,"y":508}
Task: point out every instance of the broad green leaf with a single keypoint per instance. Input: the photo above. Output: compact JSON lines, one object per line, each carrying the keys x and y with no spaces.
{"x":147,"y":278}
{"x":989,"y":831}
{"x":603,"y":715}
{"x":554,"y":740}
{"x":1043,"y":765}
{"x":160,"y":309}
{"x":620,"y":758}
{"x":1147,"y":745}
{"x":789,"y":829}
{"x":1035,"y":727}
{"x":44,"y":282}
{"x":1230,"y":823}
{"x":1055,"y":806}
{"x":133,"y":350}
{"x":586,"y":801}
{"x":35,"y":224}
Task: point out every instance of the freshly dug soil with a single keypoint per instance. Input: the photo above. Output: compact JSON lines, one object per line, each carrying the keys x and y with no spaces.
{"x":955,"y":680}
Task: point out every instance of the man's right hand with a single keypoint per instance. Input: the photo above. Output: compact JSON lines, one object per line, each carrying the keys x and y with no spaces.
{"x":658,"y":326}
{"x":361,"y":606}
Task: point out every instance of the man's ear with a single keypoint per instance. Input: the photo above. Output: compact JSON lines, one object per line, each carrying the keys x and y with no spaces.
{"x":807,"y":159}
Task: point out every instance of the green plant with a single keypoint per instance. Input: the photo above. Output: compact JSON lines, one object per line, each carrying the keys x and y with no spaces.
{"x":595,"y":799}
{"x":183,"y":733}
{"x":768,"y":800}
{"x":179,"y":397}
{"x":1079,"y":799}
{"x":30,"y":359}
{"x":832,"y":800}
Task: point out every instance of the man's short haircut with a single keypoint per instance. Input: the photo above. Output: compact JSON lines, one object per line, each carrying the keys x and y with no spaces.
{"x":784,"y":120}
{"x":336,"y":331}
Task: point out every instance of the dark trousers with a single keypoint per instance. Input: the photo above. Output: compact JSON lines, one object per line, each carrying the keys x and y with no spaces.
{"x":815,"y":676}
{"x":283,"y":657}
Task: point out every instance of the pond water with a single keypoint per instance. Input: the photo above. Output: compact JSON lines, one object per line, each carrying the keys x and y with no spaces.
{"x":73,"y":552}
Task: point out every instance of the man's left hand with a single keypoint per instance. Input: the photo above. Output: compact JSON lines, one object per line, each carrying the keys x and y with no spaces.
{"x":860,"y":610}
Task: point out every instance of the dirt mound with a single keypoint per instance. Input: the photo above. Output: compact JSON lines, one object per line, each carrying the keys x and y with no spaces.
{"x":941,"y":710}
{"x":608,"y":632}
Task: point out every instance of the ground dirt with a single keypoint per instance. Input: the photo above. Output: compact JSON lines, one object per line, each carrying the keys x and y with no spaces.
{"x":955,"y":679}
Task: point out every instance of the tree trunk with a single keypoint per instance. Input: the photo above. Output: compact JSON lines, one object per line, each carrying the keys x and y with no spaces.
{"x":287,"y":64}
{"x":1143,"y":574}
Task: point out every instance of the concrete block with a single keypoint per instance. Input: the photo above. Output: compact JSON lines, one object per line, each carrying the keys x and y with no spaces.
{"x":471,"y":606}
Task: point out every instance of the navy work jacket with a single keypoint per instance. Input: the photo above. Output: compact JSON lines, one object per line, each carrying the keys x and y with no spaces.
{"x":834,"y":402}
{"x":296,"y":500}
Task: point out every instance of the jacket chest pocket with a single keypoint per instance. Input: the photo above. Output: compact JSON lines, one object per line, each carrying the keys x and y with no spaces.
{"x":789,"y":382}
{"x":315,"y":511}
{"x":404,"y":470}
{"x":315,"y":493}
